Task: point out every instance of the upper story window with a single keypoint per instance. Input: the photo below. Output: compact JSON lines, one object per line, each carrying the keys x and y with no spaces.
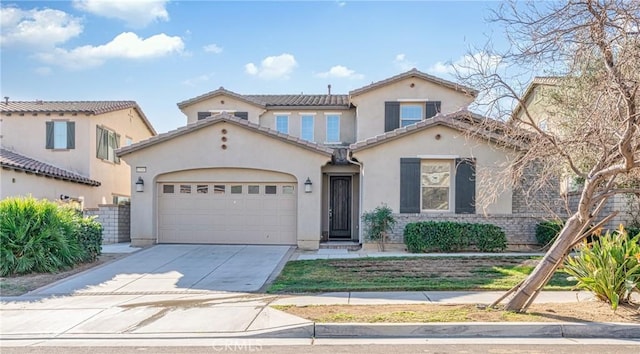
{"x":107,"y":142}
{"x":282,"y":123}
{"x":306,"y":127}
{"x":410,"y":114}
{"x":333,"y":128}
{"x":436,"y":185}
{"x":60,"y":135}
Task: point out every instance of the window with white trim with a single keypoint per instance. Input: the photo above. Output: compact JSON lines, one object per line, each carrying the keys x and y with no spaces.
{"x":107,"y":142}
{"x":333,"y":128}
{"x":410,"y":113}
{"x":306,"y":127}
{"x":60,"y":135}
{"x":282,"y":124}
{"x":436,"y":185}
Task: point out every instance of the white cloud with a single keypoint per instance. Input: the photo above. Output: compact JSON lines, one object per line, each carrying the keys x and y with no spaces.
{"x":43,"y":71}
{"x":40,"y":28}
{"x":341,"y":3}
{"x":126,"y":45}
{"x":137,"y":14}
{"x":274,"y":67}
{"x":465,"y":64}
{"x":212,"y":48}
{"x":195,"y":81}
{"x":340,"y":71}
{"x":403,"y":63}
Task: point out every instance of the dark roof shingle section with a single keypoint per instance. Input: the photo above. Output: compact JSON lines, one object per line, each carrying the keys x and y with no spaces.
{"x":88,"y":107}
{"x":416,"y":73}
{"x":15,"y":161}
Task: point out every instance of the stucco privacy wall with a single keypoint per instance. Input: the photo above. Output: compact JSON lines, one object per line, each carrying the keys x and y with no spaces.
{"x":115,"y":221}
{"x":230,"y":104}
{"x":381,"y":177}
{"x":13,"y":183}
{"x":246,"y":149}
{"x":371,"y":105}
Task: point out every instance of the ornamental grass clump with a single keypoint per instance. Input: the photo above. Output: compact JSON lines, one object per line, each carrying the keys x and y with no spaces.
{"x":609,"y":267}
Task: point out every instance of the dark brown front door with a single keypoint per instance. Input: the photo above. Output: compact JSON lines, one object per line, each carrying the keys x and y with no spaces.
{"x":340,"y":207}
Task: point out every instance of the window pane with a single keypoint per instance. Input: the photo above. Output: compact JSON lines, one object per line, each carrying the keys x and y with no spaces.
{"x":254,"y":190}
{"x":436,"y":181}
{"x":185,"y":188}
{"x":218,"y":189}
{"x":306,"y":132}
{"x":112,"y":146}
{"x":435,"y":198}
{"x":236,"y":189}
{"x":59,"y":135}
{"x":287,"y":189}
{"x":202,"y":188}
{"x":411,"y":112}
{"x":282,"y":124}
{"x":167,"y":188}
{"x":333,"y":128}
{"x":270,"y":190}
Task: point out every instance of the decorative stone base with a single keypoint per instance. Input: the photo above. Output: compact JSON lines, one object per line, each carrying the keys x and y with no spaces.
{"x":388,"y":247}
{"x":308,"y":245}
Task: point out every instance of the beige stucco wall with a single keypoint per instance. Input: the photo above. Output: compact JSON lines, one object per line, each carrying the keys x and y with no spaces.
{"x":347,"y":123}
{"x":246,"y":149}
{"x":20,"y":184}
{"x":26,"y":135}
{"x":381,"y":177}
{"x":370,"y":105}
{"x":230,"y":104}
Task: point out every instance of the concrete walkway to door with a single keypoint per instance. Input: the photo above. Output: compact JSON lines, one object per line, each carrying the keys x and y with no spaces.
{"x":179,"y":269}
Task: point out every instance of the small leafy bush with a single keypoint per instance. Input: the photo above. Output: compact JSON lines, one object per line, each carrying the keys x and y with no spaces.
{"x":89,"y":236}
{"x":40,"y":236}
{"x":547,"y":231}
{"x":447,"y":236}
{"x":378,"y":223}
{"x":609,"y":267}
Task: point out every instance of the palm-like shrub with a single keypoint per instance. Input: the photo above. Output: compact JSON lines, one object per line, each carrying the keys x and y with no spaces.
{"x":609,"y":267}
{"x":37,"y":236}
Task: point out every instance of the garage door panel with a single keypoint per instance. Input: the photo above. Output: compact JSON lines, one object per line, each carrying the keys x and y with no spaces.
{"x":216,"y":215}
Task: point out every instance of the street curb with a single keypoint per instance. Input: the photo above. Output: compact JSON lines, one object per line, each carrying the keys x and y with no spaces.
{"x":478,"y":330}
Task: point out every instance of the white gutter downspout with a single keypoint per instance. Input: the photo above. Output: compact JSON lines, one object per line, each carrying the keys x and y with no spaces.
{"x":359,"y":196}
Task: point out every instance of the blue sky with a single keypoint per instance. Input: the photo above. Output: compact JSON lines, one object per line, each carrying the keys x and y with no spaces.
{"x":159,"y":53}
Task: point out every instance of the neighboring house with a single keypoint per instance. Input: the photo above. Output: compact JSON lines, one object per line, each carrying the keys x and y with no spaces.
{"x":66,"y":150}
{"x":301,"y":169}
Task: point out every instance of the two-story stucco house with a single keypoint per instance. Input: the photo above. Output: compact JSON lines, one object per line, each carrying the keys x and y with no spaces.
{"x":66,"y":150}
{"x":301,"y":169}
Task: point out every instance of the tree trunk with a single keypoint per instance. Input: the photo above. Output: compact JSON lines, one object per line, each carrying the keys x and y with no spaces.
{"x":546,"y":266}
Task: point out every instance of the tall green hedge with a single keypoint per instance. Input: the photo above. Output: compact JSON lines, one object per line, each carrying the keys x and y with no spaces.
{"x":447,"y":236}
{"x":40,"y":236}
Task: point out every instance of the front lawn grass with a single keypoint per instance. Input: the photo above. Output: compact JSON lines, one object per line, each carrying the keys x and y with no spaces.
{"x":409,"y":274}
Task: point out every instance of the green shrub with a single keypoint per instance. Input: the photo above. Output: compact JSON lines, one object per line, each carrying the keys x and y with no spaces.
{"x":447,"y":236}
{"x":609,"y":267}
{"x":40,"y":236}
{"x":547,"y":231}
{"x":378,"y":222}
{"x":89,"y":236}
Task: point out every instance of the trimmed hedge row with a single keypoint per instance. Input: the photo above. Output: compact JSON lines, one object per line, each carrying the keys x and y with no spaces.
{"x":447,"y":236}
{"x":41,"y":236}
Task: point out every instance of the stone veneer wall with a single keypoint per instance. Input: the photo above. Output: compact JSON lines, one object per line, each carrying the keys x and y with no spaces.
{"x":618,"y":202}
{"x":519,"y":229}
{"x":115,"y":221}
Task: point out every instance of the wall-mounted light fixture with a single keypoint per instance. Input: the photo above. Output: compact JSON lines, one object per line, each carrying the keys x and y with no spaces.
{"x":140,"y":185}
{"x":308,"y":185}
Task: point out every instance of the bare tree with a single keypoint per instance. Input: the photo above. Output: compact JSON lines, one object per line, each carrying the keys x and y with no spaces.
{"x":590,"y":51}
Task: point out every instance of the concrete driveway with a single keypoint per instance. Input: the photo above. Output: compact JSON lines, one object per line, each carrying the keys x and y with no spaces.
{"x":173,"y":269}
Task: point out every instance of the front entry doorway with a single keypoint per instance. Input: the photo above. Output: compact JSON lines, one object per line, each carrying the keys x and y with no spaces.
{"x":339,"y":207}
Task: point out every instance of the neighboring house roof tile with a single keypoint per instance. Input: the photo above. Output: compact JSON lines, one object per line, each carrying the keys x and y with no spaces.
{"x":462,"y":120}
{"x":225,"y":117}
{"x":301,"y":100}
{"x":15,"y":161}
{"x":415,"y":73}
{"x":87,"y":107}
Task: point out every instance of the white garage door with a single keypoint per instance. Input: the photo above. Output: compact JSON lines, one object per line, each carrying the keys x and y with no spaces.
{"x":227,"y":213}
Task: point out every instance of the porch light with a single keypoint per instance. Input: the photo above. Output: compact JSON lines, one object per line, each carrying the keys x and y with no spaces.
{"x":139,"y":185}
{"x":307,"y":185}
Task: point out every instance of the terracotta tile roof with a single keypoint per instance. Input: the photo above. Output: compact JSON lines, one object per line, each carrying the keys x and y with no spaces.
{"x":225,"y":117}
{"x":415,"y":73}
{"x":301,"y":100}
{"x":15,"y":161}
{"x":462,"y":120}
{"x":87,"y":107}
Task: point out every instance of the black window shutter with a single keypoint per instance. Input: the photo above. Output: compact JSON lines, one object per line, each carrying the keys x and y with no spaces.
{"x":242,"y":115}
{"x":71,"y":135}
{"x":433,"y":108}
{"x":466,"y":186}
{"x":49,"y":135}
{"x":409,"y":185}
{"x":203,"y":115}
{"x":391,"y":116}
